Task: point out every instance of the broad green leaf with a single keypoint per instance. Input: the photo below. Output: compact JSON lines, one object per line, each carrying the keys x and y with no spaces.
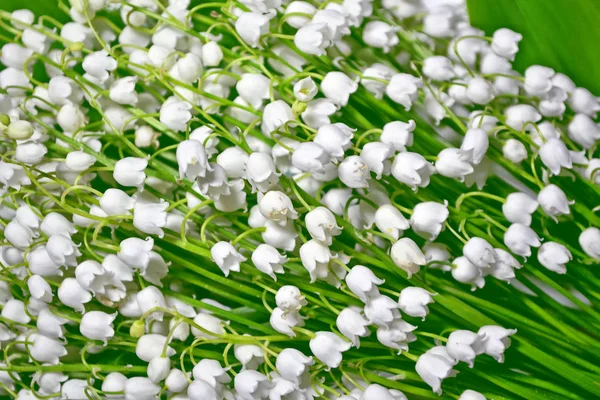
{"x":561,"y":34}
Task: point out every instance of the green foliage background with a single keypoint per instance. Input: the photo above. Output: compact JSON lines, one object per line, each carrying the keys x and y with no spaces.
{"x":562,"y":34}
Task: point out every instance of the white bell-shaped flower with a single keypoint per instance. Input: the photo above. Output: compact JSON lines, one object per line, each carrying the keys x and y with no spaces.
{"x":452,"y":164}
{"x":554,"y":256}
{"x":201,"y":390}
{"x":46,"y":350}
{"x":277,"y":206}
{"x":211,"y":372}
{"x":14,"y":310}
{"x":305,"y":89}
{"x":73,"y":295}
{"x":505,"y":43}
{"x":249,"y":355}
{"x":434,"y":366}
{"x":519,"y":207}
{"x":140,"y":388}
{"x":338,"y":87}
{"x":413,"y":301}
{"x":275,"y":115}
{"x":313,"y":38}
{"x":116,"y":202}
{"x":480,"y":91}
{"x":321,"y":225}
{"x":380,"y":35}
{"x":397,"y":335}
{"x":520,"y":238}
{"x":463,"y":345}
{"x":122,"y":91}
{"x":175,"y":113}
{"x":79,"y":161}
{"x":479,"y":252}
{"x":408,"y":256}
{"x":254,"y":88}
{"x":158,"y":369}
{"x":377,"y":155}
{"x":135,"y":252}
{"x":514,"y":151}
{"x":518,"y":115}
{"x":62,"y":250}
{"x":583,"y":101}
{"x":280,"y":237}
{"x":465,"y":271}
{"x":97,"y":325}
{"x":428,"y":219}
{"x":39,"y":288}
{"x":192,"y":160}
{"x":267,"y":259}
{"x":151,"y":298}
{"x":496,"y":341}
{"x":18,"y":235}
{"x":363,"y":283}
{"x":315,"y":258}
{"x":150,"y":218}
{"x":129,"y":171}
{"x":554,"y":201}
{"x":438,"y":68}
{"x":209,"y":323}
{"x":352,"y":325}
{"x":328,"y":348}
{"x":114,"y":382}
{"x":333,"y":139}
{"x":471,"y":395}
{"x":412,"y":169}
{"x":354,"y":172}
{"x":474,"y":145}
{"x":555,"y":155}
{"x":30,"y":152}
{"x":310,"y":157}
{"x":404,"y":89}
{"x":589,"y":240}
{"x":283,"y":322}
{"x":374,"y":79}
{"x":151,"y":346}
{"x":381,"y":310}
{"x":99,"y":65}
{"x":389,"y":220}
{"x":251,"y":385}
{"x":226,"y":257}
{"x":584,"y":131}
{"x":251,"y":26}
{"x":504,"y":266}
{"x":538,"y":80}
{"x":398,"y":134}
{"x":437,"y":252}
{"x":291,"y":364}
{"x":261,"y":172}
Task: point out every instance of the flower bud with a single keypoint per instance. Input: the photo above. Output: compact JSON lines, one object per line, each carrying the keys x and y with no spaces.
{"x":19,"y":130}
{"x":480,"y":91}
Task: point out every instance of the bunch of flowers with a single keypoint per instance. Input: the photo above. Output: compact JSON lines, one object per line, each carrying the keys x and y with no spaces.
{"x":267,"y":199}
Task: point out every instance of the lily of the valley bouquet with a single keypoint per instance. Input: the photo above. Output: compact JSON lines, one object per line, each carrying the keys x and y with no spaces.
{"x":292,"y":200}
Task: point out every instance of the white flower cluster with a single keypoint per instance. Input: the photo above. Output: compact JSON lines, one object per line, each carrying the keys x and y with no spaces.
{"x":171,"y":171}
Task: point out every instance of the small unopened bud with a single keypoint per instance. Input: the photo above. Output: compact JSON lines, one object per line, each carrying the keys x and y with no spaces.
{"x":298,"y":107}
{"x":76,"y":46}
{"x":19,"y":130}
{"x":4,"y":121}
{"x":137,"y":329}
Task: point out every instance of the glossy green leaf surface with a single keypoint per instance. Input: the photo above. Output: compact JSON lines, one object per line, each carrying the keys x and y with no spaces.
{"x":561,"y":34}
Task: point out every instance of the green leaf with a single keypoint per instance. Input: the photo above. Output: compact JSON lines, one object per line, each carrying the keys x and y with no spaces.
{"x":561,"y":34}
